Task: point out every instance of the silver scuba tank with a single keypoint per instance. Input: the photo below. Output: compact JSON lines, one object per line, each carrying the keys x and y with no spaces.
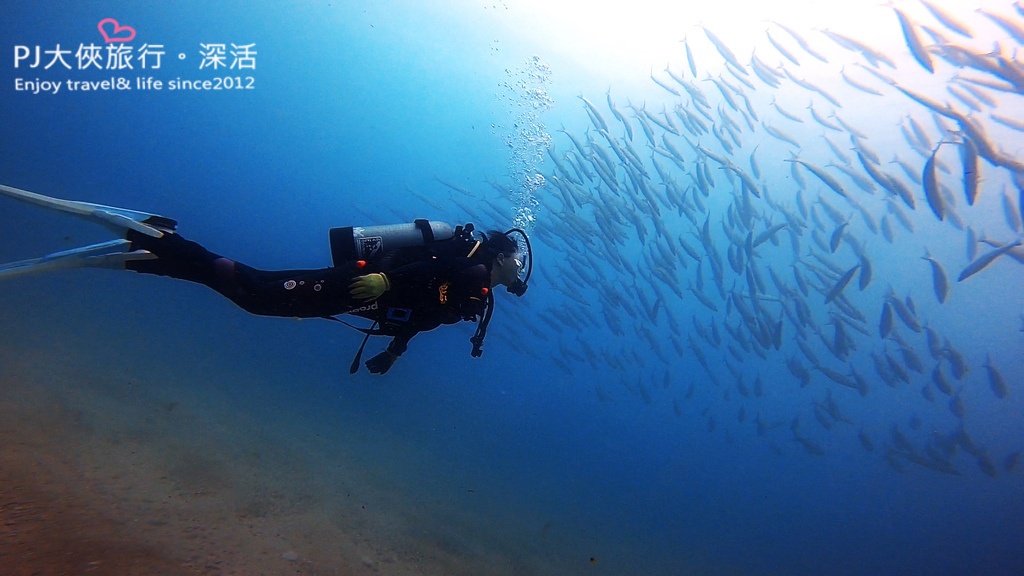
{"x":371,"y":242}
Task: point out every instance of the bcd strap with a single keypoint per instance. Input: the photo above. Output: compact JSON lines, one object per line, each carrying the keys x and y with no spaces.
{"x":423,"y":225}
{"x":342,"y":241}
{"x":481,"y":329}
{"x":359,"y":354}
{"x":371,"y":331}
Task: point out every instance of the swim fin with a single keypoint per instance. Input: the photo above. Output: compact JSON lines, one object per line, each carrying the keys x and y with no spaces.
{"x":118,"y":220}
{"x":112,"y":254}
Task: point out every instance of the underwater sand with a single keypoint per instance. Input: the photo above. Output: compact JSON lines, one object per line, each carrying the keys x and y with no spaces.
{"x":149,"y":427}
{"x":106,"y":471}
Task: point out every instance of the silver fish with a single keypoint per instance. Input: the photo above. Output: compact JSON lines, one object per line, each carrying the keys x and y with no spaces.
{"x":985,"y":259}
{"x":969,"y":158}
{"x":841,"y":283}
{"x":940,"y":381}
{"x":873,"y":56}
{"x":825,"y":177}
{"x":918,"y":50}
{"x":865,"y":272}
{"x":813,"y":88}
{"x":939,"y":281}
{"x":865,"y":440}
{"x":1010,"y":213}
{"x":785,"y":113}
{"x":782,"y":50}
{"x":689,"y":58}
{"x":947,"y":20}
{"x":823,"y":120}
{"x":837,"y":237}
{"x":1011,"y":27}
{"x":885,"y":323}
{"x":977,"y":93}
{"x":904,"y":312}
{"x":764,"y":72}
{"x":1009,"y":122}
{"x":858,"y":85}
{"x":618,"y":115}
{"x":595,"y":114}
{"x":986,"y":465}
{"x":663,"y":85}
{"x":835,"y":150}
{"x":964,"y":97}
{"x":996,"y":380}
{"x":957,"y":362}
{"x":802,"y":42}
{"x":724,"y":50}
{"x":780,"y":135}
{"x":956,"y":406}
{"x":931,"y":186}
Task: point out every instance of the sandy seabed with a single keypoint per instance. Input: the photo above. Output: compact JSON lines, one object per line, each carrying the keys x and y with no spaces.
{"x":104,"y":473}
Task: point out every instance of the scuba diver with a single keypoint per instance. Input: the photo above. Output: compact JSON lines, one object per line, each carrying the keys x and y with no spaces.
{"x":405,"y":278}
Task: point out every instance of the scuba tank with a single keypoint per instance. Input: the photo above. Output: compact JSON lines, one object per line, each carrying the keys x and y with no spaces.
{"x":371,"y":242}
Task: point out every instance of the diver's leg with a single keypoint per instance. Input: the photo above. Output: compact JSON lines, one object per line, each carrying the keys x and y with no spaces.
{"x":290,"y":293}
{"x":175,"y":257}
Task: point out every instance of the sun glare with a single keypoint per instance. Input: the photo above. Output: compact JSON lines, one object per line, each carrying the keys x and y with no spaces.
{"x":630,"y":36}
{"x":619,"y":39}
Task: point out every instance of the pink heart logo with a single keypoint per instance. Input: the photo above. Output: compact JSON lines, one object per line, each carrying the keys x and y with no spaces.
{"x":112,"y":37}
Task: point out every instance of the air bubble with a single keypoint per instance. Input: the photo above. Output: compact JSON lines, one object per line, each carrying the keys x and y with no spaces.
{"x":529,"y":139}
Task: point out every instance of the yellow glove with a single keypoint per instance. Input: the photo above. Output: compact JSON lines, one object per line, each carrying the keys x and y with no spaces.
{"x":369,"y":287}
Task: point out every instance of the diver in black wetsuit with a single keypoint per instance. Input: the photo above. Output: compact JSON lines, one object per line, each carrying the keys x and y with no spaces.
{"x":403,"y":300}
{"x":417,"y":286}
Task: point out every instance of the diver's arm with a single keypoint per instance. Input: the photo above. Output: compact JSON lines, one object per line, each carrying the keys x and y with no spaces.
{"x":400,"y":344}
{"x":382,"y":362}
{"x":405,"y":281}
{"x":414,"y":278}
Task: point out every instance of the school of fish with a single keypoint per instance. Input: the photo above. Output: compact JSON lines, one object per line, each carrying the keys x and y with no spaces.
{"x":710,"y":230}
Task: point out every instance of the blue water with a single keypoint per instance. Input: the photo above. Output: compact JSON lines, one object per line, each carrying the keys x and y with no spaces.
{"x":511,"y":463}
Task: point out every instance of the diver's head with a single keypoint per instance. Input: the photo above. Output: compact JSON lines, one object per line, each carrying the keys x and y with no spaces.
{"x":505,"y":270}
{"x":506,"y":260}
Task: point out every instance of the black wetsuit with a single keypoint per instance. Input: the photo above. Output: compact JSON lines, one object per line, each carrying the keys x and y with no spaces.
{"x":423,"y":294}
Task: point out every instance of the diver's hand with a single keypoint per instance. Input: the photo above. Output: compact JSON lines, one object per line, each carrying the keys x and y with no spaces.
{"x":369,"y":287}
{"x":381,"y":363}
